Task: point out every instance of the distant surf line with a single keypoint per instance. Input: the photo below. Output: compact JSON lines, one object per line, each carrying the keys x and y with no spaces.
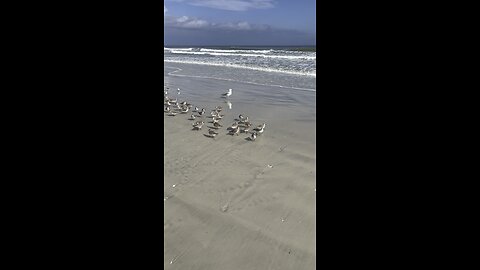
{"x":232,"y":80}
{"x":292,"y":57}
{"x":241,"y":66}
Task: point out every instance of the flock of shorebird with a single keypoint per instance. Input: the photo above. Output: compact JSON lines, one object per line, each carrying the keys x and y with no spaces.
{"x":241,"y":125}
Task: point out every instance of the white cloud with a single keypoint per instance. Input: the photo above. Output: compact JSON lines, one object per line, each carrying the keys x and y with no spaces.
{"x":195,"y":23}
{"x":243,"y":25}
{"x":232,"y":5}
{"x":182,"y":19}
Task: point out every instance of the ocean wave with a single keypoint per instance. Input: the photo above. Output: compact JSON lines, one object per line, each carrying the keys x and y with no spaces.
{"x":292,"y":72}
{"x":237,"y":51}
{"x":218,"y":50}
{"x":178,"y":49}
{"x":292,"y":57}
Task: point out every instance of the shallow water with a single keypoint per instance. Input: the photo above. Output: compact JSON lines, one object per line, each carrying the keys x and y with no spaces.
{"x":285,"y":68}
{"x":228,"y":74}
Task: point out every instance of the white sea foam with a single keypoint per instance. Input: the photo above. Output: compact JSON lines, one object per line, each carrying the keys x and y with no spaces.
{"x":310,"y":74}
{"x":269,"y":60}
{"x":218,"y":50}
{"x":177,"y":49}
{"x":292,"y":57}
{"x":237,"y":51}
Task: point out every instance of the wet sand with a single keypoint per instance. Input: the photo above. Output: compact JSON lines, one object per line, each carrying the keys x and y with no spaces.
{"x":235,"y":204}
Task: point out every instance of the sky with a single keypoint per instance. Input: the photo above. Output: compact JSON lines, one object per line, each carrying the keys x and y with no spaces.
{"x":239,"y":22}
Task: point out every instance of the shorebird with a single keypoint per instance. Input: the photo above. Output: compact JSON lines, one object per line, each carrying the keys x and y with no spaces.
{"x":184,"y":110}
{"x":167,"y":109}
{"x":235,"y":125}
{"x":243,"y":119}
{"x":212,"y":132}
{"x":216,"y":115}
{"x":192,"y":117}
{"x":260,"y":131}
{"x":178,"y":91}
{"x":198,"y":125}
{"x":219,"y":116}
{"x":262,"y":126}
{"x":235,"y":131}
{"x":216,"y":125}
{"x":202,"y":112}
{"x":253,"y":136}
{"x":229,"y":93}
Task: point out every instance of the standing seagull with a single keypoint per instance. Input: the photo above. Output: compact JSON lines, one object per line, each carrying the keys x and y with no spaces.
{"x":229,"y":93}
{"x":253,"y":137}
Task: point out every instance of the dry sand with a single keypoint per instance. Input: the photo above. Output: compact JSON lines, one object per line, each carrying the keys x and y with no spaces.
{"x":235,"y":204}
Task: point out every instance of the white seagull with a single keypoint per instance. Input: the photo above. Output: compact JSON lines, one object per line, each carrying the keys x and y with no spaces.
{"x":229,"y":93}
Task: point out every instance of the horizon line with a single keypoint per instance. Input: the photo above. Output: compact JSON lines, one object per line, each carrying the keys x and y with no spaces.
{"x":304,"y":45}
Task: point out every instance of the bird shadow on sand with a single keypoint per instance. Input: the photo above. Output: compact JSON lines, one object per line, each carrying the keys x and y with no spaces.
{"x":209,"y":136}
{"x":249,"y":138}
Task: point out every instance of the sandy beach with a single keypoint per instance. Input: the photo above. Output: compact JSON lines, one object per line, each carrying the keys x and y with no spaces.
{"x":231,"y":203}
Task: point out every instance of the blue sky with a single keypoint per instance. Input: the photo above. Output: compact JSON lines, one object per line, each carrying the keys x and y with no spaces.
{"x":239,"y":22}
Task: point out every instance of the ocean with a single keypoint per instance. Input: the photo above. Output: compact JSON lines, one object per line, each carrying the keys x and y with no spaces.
{"x":288,"y":67}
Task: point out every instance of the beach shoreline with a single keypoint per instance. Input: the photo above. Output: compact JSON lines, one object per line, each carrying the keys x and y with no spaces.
{"x":231,"y":203}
